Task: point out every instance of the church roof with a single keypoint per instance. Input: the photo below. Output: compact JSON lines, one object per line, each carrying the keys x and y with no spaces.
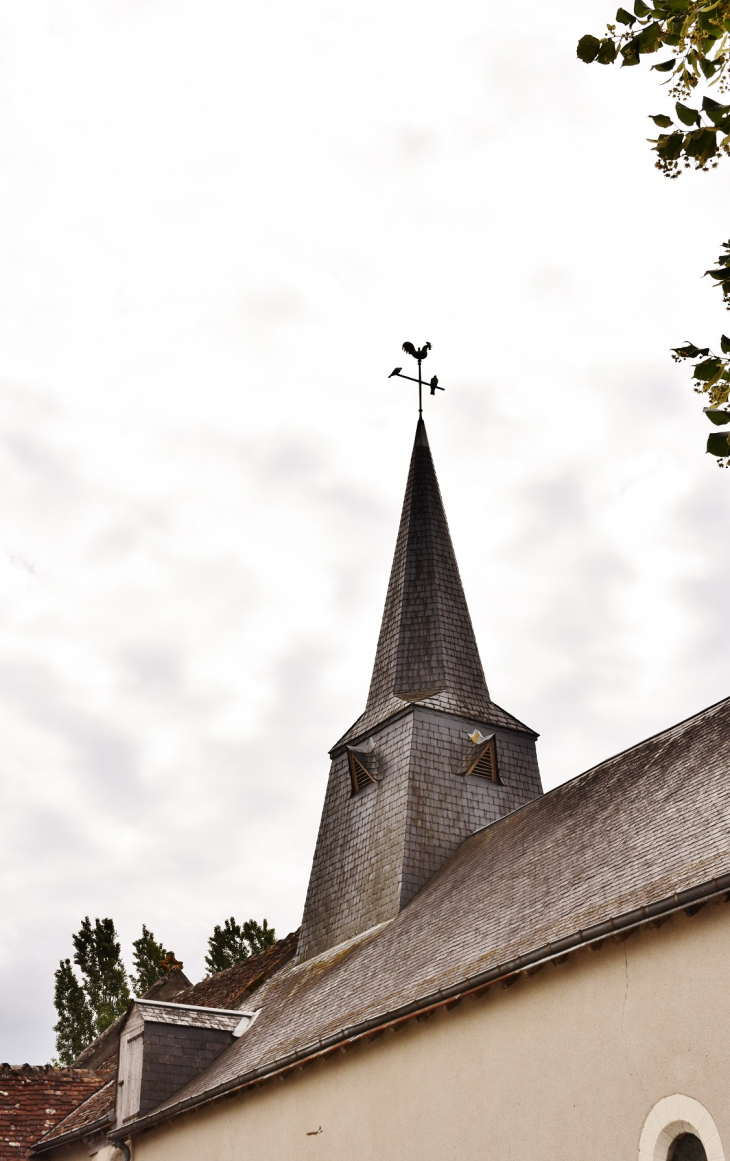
{"x":427,"y":651}
{"x":643,"y":834}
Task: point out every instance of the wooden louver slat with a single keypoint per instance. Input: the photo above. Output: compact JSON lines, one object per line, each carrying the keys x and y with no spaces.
{"x":484,"y":764}
{"x":359,"y":772}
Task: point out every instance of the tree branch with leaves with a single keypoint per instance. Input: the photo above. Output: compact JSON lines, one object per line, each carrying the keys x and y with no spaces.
{"x":697,"y":36}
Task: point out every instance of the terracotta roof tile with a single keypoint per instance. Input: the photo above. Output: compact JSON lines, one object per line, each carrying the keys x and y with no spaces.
{"x":93,"y":1113}
{"x":34,"y":1099}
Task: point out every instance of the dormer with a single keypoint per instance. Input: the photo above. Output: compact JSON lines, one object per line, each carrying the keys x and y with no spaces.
{"x":162,"y":1046}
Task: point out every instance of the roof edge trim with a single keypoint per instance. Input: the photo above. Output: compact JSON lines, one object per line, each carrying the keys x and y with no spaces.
{"x":190,"y":1007}
{"x":519,"y":727}
{"x":43,"y":1146}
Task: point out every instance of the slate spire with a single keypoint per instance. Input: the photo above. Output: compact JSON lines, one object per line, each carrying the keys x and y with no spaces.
{"x":427,"y":650}
{"x":404,"y":790}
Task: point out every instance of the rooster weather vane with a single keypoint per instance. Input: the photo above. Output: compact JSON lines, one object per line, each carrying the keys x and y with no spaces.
{"x":419,"y":353}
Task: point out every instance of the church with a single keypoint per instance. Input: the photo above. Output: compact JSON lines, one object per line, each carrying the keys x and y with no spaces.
{"x":483,"y":971}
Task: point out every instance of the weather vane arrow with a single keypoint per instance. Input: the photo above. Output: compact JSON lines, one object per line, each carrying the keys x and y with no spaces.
{"x":418,"y":353}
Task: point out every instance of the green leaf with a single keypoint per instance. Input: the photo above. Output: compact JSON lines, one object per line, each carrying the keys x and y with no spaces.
{"x":706,"y":20}
{"x":708,"y":369}
{"x":588,"y":47}
{"x":716,"y":112}
{"x":716,"y":416}
{"x":650,"y":38}
{"x":630,"y":52}
{"x":701,"y":144}
{"x":690,"y":351}
{"x":665,"y":66}
{"x":686,"y":115}
{"x":662,"y":121}
{"x":725,"y":344}
{"x":606,"y":52}
{"x":670,"y":147}
{"x":717,"y":444}
{"x":625,"y":17}
{"x":678,"y":5}
{"x":720,"y":275}
{"x":641,"y":9}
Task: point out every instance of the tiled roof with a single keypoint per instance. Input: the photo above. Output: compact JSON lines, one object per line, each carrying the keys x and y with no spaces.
{"x":229,"y":989}
{"x":34,"y":1099}
{"x":95,"y":1113}
{"x":643,"y":825}
{"x":427,"y":651}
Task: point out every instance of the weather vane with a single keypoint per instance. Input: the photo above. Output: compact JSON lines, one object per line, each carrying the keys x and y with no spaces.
{"x":420,"y":354}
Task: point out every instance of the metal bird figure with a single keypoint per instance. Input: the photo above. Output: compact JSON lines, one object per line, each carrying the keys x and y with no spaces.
{"x":417,"y":353}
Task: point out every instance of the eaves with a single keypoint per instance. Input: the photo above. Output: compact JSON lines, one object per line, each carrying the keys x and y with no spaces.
{"x":617,"y":928}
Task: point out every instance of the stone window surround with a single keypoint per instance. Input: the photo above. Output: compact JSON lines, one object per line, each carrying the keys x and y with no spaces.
{"x":672,"y":1116}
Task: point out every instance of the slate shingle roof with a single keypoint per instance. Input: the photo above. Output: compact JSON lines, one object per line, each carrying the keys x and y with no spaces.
{"x":426,"y":644}
{"x":33,"y":1099}
{"x":189,"y":1016}
{"x":643,"y":825}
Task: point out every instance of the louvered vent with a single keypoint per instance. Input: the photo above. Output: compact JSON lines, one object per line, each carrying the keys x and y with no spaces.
{"x":484,"y":763}
{"x":359,"y":770}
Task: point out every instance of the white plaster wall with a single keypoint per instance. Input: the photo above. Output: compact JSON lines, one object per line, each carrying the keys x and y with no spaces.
{"x":566,"y":1064}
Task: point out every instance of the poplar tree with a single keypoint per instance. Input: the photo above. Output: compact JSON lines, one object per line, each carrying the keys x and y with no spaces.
{"x":98,"y":955}
{"x":75,"y":1027}
{"x":233,"y":943}
{"x":86,"y":1007}
{"x":148,"y":959}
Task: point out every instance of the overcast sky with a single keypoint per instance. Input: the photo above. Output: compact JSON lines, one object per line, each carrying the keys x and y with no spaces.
{"x":218,"y":223}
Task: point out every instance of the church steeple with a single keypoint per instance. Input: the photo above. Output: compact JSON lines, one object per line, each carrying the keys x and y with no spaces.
{"x":427,"y":648}
{"x":432,"y":758}
{"x":427,"y":651}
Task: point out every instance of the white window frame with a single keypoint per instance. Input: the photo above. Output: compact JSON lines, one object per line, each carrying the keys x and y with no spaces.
{"x":672,"y":1116}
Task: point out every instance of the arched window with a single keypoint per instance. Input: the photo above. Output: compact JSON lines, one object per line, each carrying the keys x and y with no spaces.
{"x":679,"y":1128}
{"x":687,"y":1147}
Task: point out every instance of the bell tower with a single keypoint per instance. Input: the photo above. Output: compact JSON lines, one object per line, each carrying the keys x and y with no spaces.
{"x":432,"y":758}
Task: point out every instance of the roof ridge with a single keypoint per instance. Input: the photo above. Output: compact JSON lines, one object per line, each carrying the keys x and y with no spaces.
{"x":619,"y":753}
{"x":548,"y":794}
